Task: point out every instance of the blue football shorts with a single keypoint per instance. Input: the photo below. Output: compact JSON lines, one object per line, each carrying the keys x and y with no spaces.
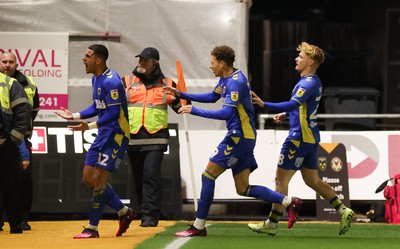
{"x":235,"y":153}
{"x":107,"y":151}
{"x":294,"y":158}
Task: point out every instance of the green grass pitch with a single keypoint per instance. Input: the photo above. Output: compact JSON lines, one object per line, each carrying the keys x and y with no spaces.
{"x":303,"y":235}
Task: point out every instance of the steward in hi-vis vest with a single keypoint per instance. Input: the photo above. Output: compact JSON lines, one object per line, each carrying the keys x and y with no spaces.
{"x":14,"y":124}
{"x":147,"y":105}
{"x":9,"y":66}
{"x":148,"y":120}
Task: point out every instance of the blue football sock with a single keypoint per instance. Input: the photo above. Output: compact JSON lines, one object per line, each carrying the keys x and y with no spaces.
{"x":207,"y":194}
{"x":264,"y":193}
{"x":98,"y":202}
{"x":113,"y":201}
{"x":275,"y":216}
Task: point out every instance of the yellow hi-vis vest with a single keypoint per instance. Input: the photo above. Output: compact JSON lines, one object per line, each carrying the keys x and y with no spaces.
{"x":30,"y":89}
{"x":147,"y":107}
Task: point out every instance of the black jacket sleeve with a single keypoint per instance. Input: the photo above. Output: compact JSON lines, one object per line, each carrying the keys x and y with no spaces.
{"x":22,"y":111}
{"x":36,"y":104}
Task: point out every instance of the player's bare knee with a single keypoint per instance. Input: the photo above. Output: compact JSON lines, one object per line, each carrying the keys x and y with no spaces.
{"x":86,"y":180}
{"x":240,"y":192}
{"x":312,"y":183}
{"x":278,"y":183}
{"x":243,"y":191}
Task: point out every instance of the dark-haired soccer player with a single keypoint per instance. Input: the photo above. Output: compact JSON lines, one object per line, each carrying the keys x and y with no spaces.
{"x":235,"y":152}
{"x":299,"y":151}
{"x":107,"y":150}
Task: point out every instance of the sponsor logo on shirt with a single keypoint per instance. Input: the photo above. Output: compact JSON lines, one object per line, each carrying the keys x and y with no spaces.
{"x":313,"y":124}
{"x":100,"y":104}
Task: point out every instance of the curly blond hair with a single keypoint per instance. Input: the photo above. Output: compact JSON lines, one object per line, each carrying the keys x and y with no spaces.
{"x":312,"y":51}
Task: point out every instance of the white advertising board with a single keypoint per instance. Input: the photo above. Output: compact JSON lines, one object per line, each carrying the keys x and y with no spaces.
{"x":372,"y":157}
{"x":44,"y":57}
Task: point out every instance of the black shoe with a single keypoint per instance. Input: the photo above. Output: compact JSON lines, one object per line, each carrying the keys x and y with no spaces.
{"x":26,"y":226}
{"x":16,"y":229}
{"x":149,"y":223}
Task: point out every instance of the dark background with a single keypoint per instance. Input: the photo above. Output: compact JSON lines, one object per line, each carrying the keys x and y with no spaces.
{"x":360,"y":38}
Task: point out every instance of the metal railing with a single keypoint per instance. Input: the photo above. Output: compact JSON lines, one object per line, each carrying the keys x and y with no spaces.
{"x":263,"y":116}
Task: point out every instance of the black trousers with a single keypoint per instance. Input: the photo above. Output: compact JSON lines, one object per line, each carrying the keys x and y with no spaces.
{"x":10,"y":183}
{"x":146,"y":171}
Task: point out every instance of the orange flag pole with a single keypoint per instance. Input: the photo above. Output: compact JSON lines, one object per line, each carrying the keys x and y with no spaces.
{"x":181,"y":86}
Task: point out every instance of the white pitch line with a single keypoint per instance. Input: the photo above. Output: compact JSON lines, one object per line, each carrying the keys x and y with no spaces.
{"x":180,"y":241}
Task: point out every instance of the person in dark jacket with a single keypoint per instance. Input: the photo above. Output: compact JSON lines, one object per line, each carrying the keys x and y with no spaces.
{"x":8,"y":66}
{"x":14,"y":125}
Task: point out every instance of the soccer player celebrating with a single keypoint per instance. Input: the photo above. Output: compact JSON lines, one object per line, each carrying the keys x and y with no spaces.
{"x":235,"y":152}
{"x":107,"y":150}
{"x":299,"y":151}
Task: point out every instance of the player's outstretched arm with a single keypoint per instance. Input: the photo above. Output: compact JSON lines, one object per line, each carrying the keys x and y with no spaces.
{"x":172,"y":90}
{"x":223,"y":114}
{"x":210,"y":97}
{"x":279,"y":118}
{"x":83,"y":126}
{"x":65,"y":114}
{"x":255,"y":100}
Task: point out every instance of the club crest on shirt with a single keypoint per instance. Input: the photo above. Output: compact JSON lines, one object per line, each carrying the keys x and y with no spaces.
{"x":235,"y":96}
{"x":235,"y":76}
{"x":300,"y":92}
{"x":114,"y":94}
{"x":98,"y":91}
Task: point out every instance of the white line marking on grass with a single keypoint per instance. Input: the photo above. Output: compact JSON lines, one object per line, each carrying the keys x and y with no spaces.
{"x":180,"y":241}
{"x":177,"y":243}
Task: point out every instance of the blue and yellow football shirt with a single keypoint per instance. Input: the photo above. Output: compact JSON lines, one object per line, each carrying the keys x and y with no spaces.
{"x":235,"y":91}
{"x":303,"y":120}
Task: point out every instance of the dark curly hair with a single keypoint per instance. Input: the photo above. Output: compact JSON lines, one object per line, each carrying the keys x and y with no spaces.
{"x":224,"y":53}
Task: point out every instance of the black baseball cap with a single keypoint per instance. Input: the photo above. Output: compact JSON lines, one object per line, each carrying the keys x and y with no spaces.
{"x":149,"y":52}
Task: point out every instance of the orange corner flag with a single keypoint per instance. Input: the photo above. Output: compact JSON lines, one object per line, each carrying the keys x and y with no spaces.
{"x":181,"y":85}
